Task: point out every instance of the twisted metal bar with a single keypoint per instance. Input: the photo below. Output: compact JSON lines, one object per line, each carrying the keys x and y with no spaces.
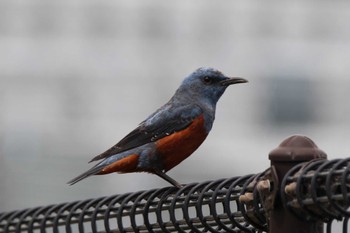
{"x":319,"y":190}
{"x":316,"y":190}
{"x":210,"y":206}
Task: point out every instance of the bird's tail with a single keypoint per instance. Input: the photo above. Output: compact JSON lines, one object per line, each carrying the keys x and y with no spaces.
{"x":93,"y":171}
{"x":122,"y":164}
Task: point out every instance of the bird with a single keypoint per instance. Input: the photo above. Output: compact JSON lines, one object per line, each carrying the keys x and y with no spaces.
{"x":172,"y":133}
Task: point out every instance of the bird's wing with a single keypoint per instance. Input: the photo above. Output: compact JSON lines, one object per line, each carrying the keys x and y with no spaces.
{"x":163,"y":122}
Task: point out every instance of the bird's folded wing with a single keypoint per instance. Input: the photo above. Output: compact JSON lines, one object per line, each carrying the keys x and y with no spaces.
{"x":162,"y":123}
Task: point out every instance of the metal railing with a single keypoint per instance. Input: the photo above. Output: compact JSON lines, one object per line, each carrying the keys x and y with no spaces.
{"x":299,"y":193}
{"x":198,"y":207}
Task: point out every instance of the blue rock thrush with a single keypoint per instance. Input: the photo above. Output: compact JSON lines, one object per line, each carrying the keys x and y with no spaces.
{"x":172,"y":133}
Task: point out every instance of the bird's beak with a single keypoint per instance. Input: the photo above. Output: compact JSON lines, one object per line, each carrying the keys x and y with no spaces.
{"x":230,"y":81}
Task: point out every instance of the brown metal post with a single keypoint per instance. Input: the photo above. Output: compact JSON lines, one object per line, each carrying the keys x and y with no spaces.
{"x":292,"y":151}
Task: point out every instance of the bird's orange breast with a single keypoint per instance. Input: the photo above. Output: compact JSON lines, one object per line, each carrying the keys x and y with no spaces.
{"x":178,"y":146}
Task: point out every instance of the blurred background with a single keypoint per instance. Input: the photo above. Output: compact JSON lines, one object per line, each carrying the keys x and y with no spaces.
{"x":77,"y":76}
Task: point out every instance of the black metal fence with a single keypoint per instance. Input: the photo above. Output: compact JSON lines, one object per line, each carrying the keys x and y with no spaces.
{"x":300,"y":192}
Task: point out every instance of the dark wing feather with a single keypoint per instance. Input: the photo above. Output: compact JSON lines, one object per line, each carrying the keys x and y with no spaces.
{"x":162,"y":123}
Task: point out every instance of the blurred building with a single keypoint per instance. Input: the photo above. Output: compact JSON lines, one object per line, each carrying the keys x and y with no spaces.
{"x":76,"y":76}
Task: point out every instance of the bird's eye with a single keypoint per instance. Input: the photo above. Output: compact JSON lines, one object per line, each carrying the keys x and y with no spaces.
{"x":207,"y":80}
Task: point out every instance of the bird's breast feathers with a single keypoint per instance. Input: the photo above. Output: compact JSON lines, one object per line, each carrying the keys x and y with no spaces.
{"x":178,"y":146}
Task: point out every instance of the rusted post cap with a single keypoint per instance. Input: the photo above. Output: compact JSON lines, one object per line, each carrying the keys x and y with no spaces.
{"x":297,"y":148}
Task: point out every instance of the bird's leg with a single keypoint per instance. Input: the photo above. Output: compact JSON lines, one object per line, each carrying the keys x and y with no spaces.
{"x":168,"y":178}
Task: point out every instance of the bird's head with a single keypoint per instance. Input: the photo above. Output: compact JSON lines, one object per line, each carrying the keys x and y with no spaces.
{"x":207,"y":84}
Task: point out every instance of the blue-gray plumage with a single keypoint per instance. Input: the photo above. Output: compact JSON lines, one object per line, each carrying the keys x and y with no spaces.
{"x":170,"y":134}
